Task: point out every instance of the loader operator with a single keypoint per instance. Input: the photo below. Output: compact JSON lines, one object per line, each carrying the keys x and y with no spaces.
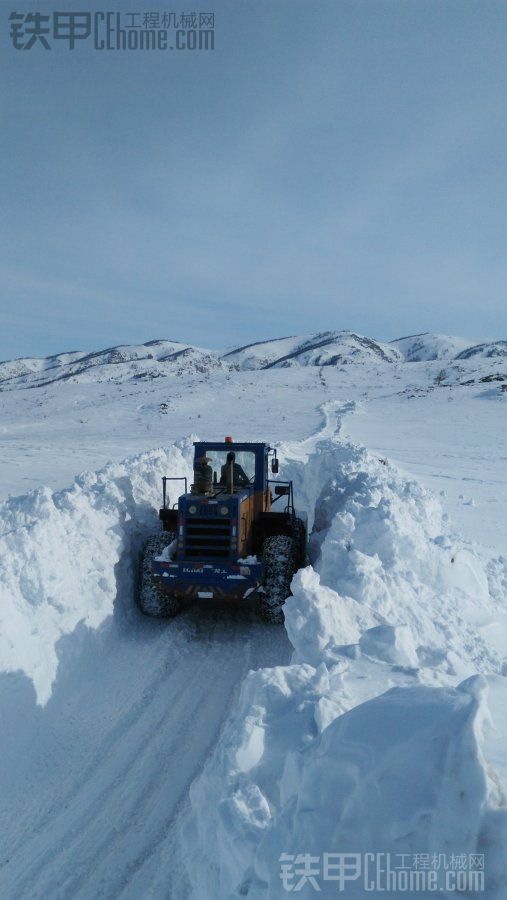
{"x":240,"y":478}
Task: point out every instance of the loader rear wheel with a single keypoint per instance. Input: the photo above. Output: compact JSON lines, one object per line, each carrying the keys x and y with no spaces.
{"x":279,"y":555}
{"x":152,"y":601}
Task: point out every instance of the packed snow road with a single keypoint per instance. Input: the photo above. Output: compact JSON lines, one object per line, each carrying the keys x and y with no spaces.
{"x":92,"y":783}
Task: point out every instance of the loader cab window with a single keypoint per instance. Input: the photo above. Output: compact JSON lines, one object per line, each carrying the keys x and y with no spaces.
{"x":243,"y":467}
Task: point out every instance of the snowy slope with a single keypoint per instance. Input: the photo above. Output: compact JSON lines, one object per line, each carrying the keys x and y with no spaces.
{"x":162,"y":358}
{"x":145,"y":361}
{"x":492,"y":350}
{"x":180,"y":759}
{"x":428,"y":346}
{"x":157,"y":359}
{"x":18,"y":369}
{"x":329,"y":348}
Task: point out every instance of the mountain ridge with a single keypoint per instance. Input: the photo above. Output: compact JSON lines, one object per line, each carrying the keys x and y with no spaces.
{"x":168,"y":358}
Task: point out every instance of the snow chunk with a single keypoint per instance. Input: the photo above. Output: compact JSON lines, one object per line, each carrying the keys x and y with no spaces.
{"x":393,"y":644}
{"x":320,"y":622}
{"x":168,"y":552}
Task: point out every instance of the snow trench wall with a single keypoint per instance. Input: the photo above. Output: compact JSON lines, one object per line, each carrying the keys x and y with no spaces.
{"x":367,"y":742}
{"x":66,"y":557}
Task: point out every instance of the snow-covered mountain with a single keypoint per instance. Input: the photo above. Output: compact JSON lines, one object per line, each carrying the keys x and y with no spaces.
{"x":328,"y":348}
{"x":429,"y":346}
{"x":166,"y":358}
{"x":117,"y":364}
{"x":162,"y":358}
{"x":485,"y":351}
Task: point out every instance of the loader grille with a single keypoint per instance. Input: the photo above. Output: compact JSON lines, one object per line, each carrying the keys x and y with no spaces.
{"x":207,"y":538}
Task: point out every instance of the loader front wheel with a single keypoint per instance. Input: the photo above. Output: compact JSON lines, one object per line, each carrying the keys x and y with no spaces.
{"x":279,"y":555}
{"x":152,"y":601}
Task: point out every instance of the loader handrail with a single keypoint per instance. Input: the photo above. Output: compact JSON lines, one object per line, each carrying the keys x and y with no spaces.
{"x":290,"y":502}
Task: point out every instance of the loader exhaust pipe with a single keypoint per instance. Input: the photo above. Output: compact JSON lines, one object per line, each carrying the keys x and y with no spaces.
{"x":203,"y":475}
{"x":229,"y":472}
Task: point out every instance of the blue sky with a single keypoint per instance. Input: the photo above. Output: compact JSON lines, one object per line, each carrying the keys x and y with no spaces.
{"x":329,"y":165}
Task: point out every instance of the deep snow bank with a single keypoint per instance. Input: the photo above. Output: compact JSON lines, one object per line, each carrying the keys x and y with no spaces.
{"x":399,"y":774}
{"x":309,"y":761}
{"x":385,"y":559}
{"x":65,"y":556}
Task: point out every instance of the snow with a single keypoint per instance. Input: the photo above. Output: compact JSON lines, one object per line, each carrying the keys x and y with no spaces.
{"x":488,"y":350}
{"x":324,"y":349}
{"x":64,"y":556}
{"x":427,"y":346}
{"x":154,"y":359}
{"x":93,"y":783}
{"x":387,"y":629}
{"x":397,"y":773}
{"x":48,"y":434}
{"x":452,"y":440}
{"x":164,"y":358}
{"x":182,"y":758}
{"x":168,"y":552}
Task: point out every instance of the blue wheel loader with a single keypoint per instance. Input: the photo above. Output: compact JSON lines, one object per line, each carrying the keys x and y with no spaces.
{"x":234,"y":535}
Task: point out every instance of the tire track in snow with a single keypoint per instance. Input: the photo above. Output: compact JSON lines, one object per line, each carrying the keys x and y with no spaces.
{"x":153,"y":704}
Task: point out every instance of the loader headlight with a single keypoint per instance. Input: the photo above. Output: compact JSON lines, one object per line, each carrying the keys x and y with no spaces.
{"x":224,"y":510}
{"x":192,"y":510}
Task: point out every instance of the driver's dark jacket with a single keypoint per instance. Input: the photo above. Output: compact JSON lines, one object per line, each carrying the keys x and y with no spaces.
{"x":239,"y":475}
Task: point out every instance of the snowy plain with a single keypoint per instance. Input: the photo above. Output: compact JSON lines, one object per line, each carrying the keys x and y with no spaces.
{"x":181,"y":759}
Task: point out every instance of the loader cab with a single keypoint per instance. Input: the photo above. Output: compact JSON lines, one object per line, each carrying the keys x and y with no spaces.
{"x":250,"y":459}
